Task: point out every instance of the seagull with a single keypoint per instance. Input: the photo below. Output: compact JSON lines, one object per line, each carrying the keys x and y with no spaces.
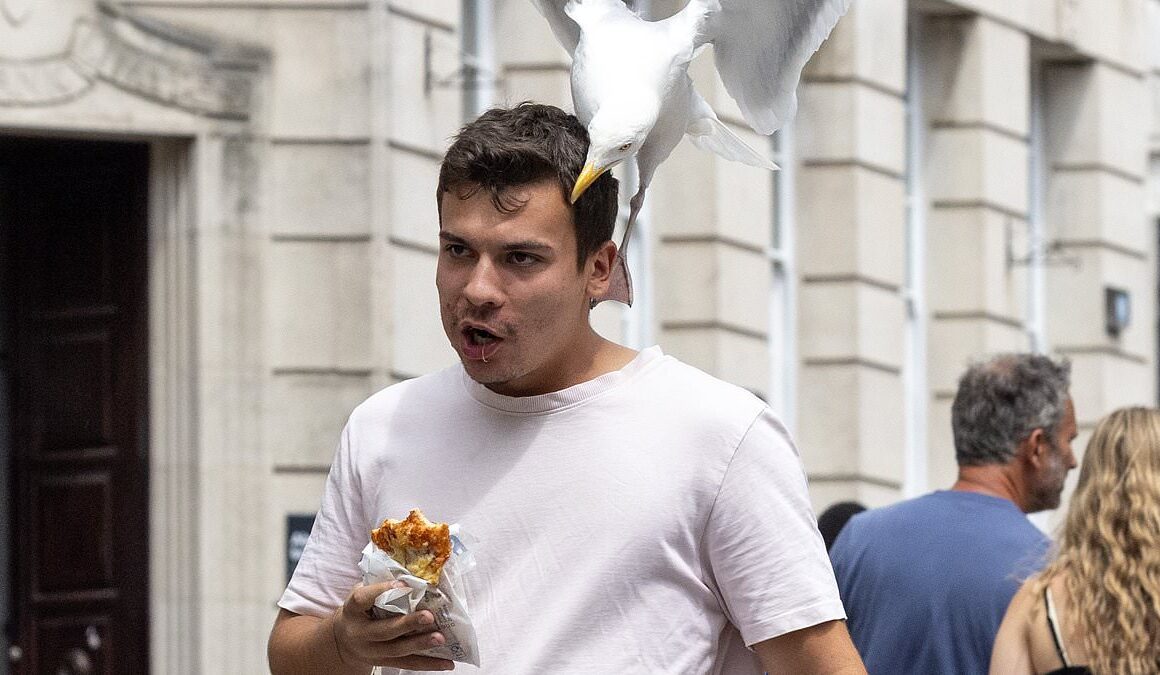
{"x":631,"y":87}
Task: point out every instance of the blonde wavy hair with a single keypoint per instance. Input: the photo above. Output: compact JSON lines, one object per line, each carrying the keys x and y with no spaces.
{"x":1108,"y":553}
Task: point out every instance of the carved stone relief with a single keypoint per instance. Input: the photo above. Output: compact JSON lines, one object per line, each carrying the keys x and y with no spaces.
{"x":16,"y":12}
{"x":138,"y":58}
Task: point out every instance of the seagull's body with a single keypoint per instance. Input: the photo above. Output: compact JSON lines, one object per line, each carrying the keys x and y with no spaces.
{"x":632,"y":90}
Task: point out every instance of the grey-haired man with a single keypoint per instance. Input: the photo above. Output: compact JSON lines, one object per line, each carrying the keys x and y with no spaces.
{"x":926,"y":581}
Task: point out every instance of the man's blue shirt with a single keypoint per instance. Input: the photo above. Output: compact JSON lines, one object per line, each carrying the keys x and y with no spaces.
{"x":926,"y":581}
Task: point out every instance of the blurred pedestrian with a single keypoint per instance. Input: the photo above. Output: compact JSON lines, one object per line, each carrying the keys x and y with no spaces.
{"x":926,"y":581}
{"x":834,"y":518}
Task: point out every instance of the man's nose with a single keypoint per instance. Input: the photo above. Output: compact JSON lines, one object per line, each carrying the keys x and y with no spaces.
{"x":483,"y":285}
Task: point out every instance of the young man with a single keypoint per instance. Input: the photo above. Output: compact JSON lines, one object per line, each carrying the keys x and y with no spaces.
{"x":926,"y":581}
{"x":631,"y":514}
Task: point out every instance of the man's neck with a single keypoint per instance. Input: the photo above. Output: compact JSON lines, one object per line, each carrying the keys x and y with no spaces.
{"x":608,"y":357}
{"x":995,"y":480}
{"x":593,"y":356}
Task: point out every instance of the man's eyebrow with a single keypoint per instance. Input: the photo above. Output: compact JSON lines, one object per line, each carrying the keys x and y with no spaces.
{"x":526,"y":245}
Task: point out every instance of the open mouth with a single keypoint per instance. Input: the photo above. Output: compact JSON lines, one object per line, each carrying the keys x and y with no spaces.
{"x":479,"y":344}
{"x":479,"y":336}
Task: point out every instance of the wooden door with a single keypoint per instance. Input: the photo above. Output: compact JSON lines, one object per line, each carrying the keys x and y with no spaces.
{"x":73,"y":234}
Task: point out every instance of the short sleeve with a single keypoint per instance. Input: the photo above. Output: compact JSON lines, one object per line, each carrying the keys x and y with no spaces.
{"x":328,"y":568}
{"x":767,"y":558}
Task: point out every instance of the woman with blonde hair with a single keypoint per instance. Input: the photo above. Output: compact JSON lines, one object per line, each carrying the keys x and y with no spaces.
{"x":1096,"y":607}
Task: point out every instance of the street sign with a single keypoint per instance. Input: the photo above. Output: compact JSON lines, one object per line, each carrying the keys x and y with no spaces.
{"x":297,"y":532}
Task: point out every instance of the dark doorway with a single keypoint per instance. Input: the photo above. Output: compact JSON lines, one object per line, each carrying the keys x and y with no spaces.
{"x":73,"y":361}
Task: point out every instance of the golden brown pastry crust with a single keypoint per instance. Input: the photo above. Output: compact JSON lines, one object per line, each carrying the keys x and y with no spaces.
{"x":415,"y":543}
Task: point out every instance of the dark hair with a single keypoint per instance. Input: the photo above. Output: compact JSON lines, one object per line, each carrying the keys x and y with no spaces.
{"x":513,"y":147}
{"x":1002,"y":400}
{"x":834,"y":518}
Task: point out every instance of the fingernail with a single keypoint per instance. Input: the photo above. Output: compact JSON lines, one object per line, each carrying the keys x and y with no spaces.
{"x":436,"y":638}
{"x":426,"y":618}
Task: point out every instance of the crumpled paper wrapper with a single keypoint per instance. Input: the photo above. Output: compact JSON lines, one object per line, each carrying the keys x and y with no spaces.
{"x":445,"y":601}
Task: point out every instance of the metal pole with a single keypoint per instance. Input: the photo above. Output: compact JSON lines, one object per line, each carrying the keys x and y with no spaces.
{"x":914,"y":292}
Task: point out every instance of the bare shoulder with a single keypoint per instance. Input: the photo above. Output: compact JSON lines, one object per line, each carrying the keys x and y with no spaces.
{"x":1025,"y":643}
{"x":1069,"y":627}
{"x":1012,"y":650}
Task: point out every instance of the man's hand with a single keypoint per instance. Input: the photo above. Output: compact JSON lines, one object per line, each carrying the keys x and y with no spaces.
{"x":391,"y":641}
{"x":350,"y":641}
{"x":822,"y":649}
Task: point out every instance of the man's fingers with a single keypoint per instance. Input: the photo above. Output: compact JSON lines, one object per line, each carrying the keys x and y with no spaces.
{"x":362,"y":598}
{"x":409,"y":645}
{"x":392,"y":628}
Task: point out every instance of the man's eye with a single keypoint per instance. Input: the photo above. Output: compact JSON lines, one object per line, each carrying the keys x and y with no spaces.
{"x":521,"y":258}
{"x":626,"y":146}
{"x":455,"y":250}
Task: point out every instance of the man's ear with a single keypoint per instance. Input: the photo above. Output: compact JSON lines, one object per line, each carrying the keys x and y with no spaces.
{"x":1035,"y":447}
{"x":599,"y":269}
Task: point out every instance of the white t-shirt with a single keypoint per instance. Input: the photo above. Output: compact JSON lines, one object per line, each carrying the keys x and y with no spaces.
{"x":633,"y":523}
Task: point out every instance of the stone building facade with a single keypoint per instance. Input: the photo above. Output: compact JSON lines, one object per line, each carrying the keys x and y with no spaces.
{"x":963,"y":177}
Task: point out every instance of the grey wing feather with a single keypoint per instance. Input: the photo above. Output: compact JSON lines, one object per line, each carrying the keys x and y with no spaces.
{"x":761,"y":46}
{"x":566,"y":30}
{"x":711,"y":134}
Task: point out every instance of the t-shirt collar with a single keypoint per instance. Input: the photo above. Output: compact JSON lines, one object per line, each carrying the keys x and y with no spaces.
{"x":556,"y":400}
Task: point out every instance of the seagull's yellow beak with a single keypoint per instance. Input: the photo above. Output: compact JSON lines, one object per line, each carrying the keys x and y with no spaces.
{"x":590,"y":173}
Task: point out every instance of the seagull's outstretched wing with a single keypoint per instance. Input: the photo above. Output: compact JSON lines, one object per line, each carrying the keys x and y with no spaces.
{"x":566,"y":30}
{"x":761,"y":46}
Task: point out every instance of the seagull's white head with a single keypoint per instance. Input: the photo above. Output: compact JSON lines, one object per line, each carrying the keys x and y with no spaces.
{"x":615,"y":133}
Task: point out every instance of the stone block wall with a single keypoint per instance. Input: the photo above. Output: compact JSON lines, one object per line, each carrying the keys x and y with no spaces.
{"x":852,"y":257}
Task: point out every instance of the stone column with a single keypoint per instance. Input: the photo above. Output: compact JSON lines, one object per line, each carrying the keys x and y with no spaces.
{"x":357,"y":125}
{"x":1153,"y":29}
{"x":713,"y":220}
{"x":424,"y":86}
{"x":977,"y":88}
{"x":851,"y":197}
{"x":1097,"y":126}
{"x":229,"y":477}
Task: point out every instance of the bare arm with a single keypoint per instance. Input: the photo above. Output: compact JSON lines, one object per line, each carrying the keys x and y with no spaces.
{"x":349,"y":642}
{"x":1012,"y":651}
{"x":824,"y":649}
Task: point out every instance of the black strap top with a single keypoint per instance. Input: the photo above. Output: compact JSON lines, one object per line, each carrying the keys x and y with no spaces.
{"x":1057,"y":637}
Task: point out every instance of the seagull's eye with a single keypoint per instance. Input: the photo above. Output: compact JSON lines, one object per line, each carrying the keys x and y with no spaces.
{"x":625,"y":147}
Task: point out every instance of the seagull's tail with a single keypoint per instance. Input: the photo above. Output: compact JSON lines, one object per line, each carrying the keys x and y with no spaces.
{"x":711,"y":134}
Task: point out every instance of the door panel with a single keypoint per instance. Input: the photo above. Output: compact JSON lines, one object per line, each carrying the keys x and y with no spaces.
{"x":73,"y":406}
{"x":72,"y":229}
{"x":70,"y":562}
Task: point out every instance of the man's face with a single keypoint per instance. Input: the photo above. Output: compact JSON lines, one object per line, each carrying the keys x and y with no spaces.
{"x":513,"y":303}
{"x":1060,"y":459}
